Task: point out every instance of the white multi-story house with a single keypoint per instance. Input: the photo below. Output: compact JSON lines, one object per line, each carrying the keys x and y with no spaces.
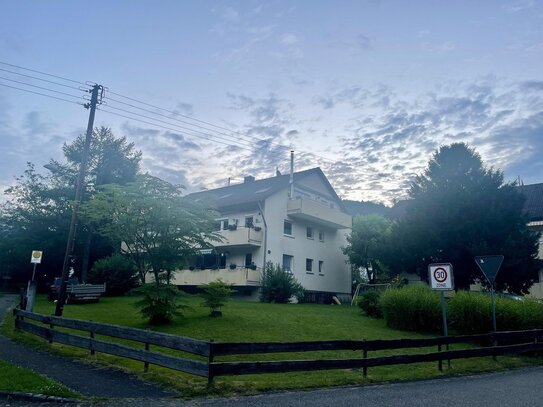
{"x":295,"y":221}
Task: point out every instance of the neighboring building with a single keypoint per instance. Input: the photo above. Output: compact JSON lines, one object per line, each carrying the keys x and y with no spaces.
{"x":534,"y":209}
{"x":260,"y":222}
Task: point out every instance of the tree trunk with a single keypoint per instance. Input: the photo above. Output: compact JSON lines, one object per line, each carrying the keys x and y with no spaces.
{"x":86,"y":256}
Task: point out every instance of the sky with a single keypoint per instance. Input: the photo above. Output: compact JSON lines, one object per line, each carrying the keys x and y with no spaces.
{"x":367,"y":90}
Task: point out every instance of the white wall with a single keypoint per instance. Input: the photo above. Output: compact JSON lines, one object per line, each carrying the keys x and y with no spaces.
{"x":337,"y":275}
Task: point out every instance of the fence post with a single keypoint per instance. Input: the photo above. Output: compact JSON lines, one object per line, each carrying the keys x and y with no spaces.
{"x":92,"y":343}
{"x":146,"y":364}
{"x":365,"y":354}
{"x":209,"y":362}
{"x":440,"y":361}
{"x":494,"y":344}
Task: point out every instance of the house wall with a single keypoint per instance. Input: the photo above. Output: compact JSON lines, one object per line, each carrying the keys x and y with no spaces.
{"x":237,"y":255}
{"x":336,"y":277}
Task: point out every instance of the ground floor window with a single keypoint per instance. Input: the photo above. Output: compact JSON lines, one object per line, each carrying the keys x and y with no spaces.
{"x":309,"y":265}
{"x":288,"y":263}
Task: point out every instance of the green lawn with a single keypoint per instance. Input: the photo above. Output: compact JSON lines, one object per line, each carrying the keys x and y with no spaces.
{"x":257,"y":322}
{"x":16,"y":379}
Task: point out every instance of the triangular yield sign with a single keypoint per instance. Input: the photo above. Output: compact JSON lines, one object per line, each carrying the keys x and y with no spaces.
{"x":489,"y":265}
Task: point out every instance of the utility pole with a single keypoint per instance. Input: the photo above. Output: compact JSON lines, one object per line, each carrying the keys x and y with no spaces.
{"x":96,"y":93}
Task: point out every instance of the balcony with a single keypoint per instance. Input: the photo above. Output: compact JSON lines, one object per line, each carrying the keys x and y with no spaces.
{"x":311,"y":211}
{"x":240,"y":277}
{"x":241,"y":237}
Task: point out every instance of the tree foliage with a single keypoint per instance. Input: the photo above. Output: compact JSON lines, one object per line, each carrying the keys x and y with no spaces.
{"x":161,"y":303}
{"x":215,"y":295}
{"x":118,"y":273}
{"x":36,"y":215}
{"x":279,"y":285}
{"x":460,"y":210}
{"x":368,"y":244}
{"x":159,"y":228}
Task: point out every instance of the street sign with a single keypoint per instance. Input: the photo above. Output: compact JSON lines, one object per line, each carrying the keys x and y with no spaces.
{"x":441,"y":276}
{"x":489,"y":265}
{"x":36,"y":257}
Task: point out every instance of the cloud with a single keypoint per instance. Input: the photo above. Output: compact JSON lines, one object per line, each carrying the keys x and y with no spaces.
{"x":532,"y":85}
{"x":389,"y":147}
{"x":289,"y":39}
{"x":185,"y":108}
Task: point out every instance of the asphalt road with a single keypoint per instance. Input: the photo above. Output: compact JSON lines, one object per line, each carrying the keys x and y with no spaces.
{"x":513,"y":388}
{"x":523,"y":387}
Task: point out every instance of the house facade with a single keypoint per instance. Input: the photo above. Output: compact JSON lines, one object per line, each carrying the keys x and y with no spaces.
{"x":533,"y":206}
{"x":298,"y":222}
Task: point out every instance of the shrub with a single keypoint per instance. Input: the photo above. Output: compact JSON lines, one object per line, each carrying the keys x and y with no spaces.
{"x":160,"y":303}
{"x":215,"y":295}
{"x":279,"y":285}
{"x":412,"y":308}
{"x":369,"y":302}
{"x":471,"y":313}
{"x":119,"y":274}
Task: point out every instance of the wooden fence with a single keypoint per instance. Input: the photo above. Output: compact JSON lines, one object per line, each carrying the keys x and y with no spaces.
{"x":512,"y":342}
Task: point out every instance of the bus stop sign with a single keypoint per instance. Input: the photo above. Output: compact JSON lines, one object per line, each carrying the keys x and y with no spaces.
{"x":489,"y":265}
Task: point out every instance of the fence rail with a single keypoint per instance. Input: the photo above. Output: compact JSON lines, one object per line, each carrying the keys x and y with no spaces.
{"x":530,"y":340}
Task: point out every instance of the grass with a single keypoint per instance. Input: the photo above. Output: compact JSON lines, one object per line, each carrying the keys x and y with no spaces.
{"x":17,"y":379}
{"x":257,"y":322}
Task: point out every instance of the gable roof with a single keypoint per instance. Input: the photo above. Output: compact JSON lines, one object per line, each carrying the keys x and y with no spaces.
{"x":257,"y":190}
{"x":533,"y":206}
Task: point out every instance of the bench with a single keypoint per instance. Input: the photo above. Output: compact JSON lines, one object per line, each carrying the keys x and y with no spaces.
{"x":85,"y":292}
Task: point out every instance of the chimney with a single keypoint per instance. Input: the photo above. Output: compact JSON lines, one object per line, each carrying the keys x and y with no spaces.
{"x":248,"y":178}
{"x":291,"y":192}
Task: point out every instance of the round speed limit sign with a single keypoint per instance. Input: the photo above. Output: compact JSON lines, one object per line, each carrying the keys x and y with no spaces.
{"x":441,"y":276}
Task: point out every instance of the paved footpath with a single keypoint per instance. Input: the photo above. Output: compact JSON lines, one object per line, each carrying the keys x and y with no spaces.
{"x":89,"y":380}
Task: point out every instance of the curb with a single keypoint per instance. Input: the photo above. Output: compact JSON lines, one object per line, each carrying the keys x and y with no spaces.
{"x":6,"y":395}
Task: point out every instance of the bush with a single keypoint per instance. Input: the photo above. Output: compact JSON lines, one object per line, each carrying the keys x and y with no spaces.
{"x":471,"y":313}
{"x":160,"y":303}
{"x":215,"y":295}
{"x":369,"y":302}
{"x":119,"y":274}
{"x":279,"y":285}
{"x":412,"y":308}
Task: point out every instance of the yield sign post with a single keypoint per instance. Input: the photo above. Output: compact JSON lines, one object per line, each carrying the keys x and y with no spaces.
{"x":490,"y":265}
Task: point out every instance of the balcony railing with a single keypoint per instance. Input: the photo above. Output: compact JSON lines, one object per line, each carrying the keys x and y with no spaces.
{"x":240,"y":237}
{"x":240,"y":276}
{"x":311,"y":211}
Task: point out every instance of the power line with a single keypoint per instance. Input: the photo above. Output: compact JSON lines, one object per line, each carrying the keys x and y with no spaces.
{"x":41,"y":94}
{"x":247,"y":137}
{"x":39,"y":79}
{"x":232,"y":132}
{"x":41,"y":87}
{"x":170,"y":128}
{"x":230,"y":139}
{"x":43,"y":73}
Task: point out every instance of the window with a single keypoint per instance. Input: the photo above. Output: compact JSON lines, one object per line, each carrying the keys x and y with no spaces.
{"x":321,"y":235}
{"x":309,"y":232}
{"x":223,"y":224}
{"x":309,"y":265}
{"x":249,"y":222}
{"x":287,"y":228}
{"x":288,"y":262}
{"x":248,"y":259}
{"x":321,"y":267}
